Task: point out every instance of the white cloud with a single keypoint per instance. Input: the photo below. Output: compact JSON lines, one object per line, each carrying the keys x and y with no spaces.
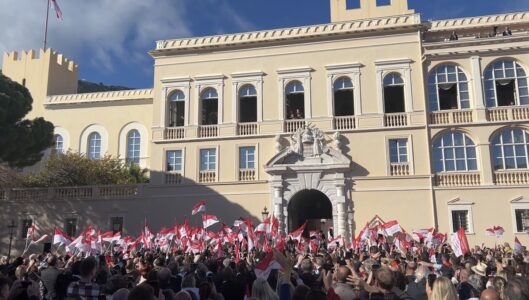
{"x":101,"y":30}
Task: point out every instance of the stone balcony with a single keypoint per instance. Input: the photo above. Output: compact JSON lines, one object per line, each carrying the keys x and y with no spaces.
{"x":508,"y":113}
{"x":399,"y":169}
{"x":457,"y":179}
{"x":511,"y":177}
{"x":89,"y":192}
{"x":451,"y":117}
{"x":247,"y":174}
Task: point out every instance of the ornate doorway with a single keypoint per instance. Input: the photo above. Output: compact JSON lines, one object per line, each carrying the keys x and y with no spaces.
{"x":312,"y":206}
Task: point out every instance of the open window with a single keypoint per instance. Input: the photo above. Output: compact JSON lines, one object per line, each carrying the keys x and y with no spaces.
{"x":295,"y":100}
{"x":448,"y":88}
{"x":506,"y":84}
{"x":247,"y":104}
{"x":210,"y":107}
{"x":393,"y":94}
{"x":343,"y":97}
{"x":177,"y":109}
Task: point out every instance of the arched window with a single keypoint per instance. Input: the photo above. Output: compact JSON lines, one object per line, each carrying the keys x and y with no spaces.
{"x":295,"y":100}
{"x":210,"y":106}
{"x":510,"y":149}
{"x":455,"y":152}
{"x":94,"y":146}
{"x":505,"y":84}
{"x":448,"y":88}
{"x":247,"y":104}
{"x":343,"y":97}
{"x":133,"y":147}
{"x":59,"y":144}
{"x":393,"y":94}
{"x":177,"y":106}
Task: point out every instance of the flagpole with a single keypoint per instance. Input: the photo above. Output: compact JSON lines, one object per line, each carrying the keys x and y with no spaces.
{"x":46,"y":28}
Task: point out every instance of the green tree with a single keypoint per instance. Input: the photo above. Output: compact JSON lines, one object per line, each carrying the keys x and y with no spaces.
{"x":22,"y":142}
{"x":73,"y":169}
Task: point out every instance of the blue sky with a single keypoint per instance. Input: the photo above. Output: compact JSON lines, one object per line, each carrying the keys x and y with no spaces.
{"x":109,"y":39}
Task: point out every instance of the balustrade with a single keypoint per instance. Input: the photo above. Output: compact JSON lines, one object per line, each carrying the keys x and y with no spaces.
{"x":511,"y":177}
{"x":293,"y":125}
{"x":457,"y":179}
{"x":345,"y":123}
{"x":400,"y":169}
{"x":396,"y":120}
{"x":174,"y":133}
{"x":207,"y":176}
{"x":247,"y":174}
{"x":208,"y":131}
{"x":247,"y":129}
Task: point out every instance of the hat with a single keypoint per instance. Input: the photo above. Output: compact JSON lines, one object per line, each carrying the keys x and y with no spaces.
{"x":480,"y":269}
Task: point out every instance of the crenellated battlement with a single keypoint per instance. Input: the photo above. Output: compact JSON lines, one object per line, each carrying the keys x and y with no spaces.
{"x":53,"y":57}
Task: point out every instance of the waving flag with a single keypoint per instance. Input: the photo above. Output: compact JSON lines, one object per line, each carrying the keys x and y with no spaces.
{"x":200,"y":207}
{"x":58,"y":11}
{"x":460,"y":243}
{"x":62,"y":238}
{"x":392,"y":227}
{"x":40,"y":240}
{"x":209,"y":220}
{"x":496,"y":231}
{"x":296,"y":234}
{"x":263,"y":268}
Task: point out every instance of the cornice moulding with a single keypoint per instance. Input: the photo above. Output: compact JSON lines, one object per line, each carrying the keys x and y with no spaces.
{"x":479,"y":21}
{"x":248,"y":74}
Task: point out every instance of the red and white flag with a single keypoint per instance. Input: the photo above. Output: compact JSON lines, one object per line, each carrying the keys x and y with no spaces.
{"x":518,"y":248}
{"x":209,"y":220}
{"x":31,"y":232}
{"x":200,"y":207}
{"x":265,"y":266}
{"x":296,"y":234}
{"x":496,"y":231}
{"x":60,"y":237}
{"x":460,"y":242}
{"x":269,"y":225}
{"x":58,"y":11}
{"x":392,"y":227}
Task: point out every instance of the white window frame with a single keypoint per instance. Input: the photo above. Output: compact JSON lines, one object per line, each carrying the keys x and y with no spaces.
{"x":136,"y":147}
{"x":334,"y":72}
{"x":516,"y":77}
{"x":86,"y":133}
{"x":65,"y":138}
{"x":440,"y":137}
{"x":58,"y":150}
{"x":287,"y":75}
{"x":502,"y":146}
{"x":203,"y":82}
{"x":401,"y":66}
{"x":411,"y":161}
{"x":169,"y":85}
{"x":198,"y":162}
{"x":455,"y":205}
{"x":183,"y":150}
{"x":518,"y":203}
{"x":239,"y":79}
{"x":255,"y":155}
{"x":457,"y":82}
{"x":144,"y":142}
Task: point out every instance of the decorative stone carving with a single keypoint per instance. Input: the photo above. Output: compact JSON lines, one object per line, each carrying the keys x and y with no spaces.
{"x":338,"y":143}
{"x":308,"y":136}
{"x":278,"y":144}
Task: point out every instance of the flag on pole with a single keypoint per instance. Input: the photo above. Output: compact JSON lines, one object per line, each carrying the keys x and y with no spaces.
{"x":263,"y":268}
{"x":60,"y":237}
{"x":200,"y":207}
{"x":296,"y":234}
{"x":518,"y":248}
{"x":31,"y":232}
{"x":460,"y":242}
{"x":209,"y":220}
{"x":40,"y":240}
{"x":58,"y":11}
{"x":392,"y":227}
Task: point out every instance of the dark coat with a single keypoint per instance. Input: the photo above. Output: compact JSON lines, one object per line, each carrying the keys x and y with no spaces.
{"x":48,"y":277}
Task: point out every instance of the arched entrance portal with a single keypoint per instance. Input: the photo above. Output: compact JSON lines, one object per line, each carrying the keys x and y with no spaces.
{"x":312,"y":206}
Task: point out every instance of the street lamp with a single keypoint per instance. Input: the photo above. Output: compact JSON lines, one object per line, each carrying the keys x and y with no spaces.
{"x":11,"y":227}
{"x":265,"y":213}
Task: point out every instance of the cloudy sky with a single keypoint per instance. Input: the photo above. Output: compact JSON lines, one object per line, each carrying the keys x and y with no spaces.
{"x":109,"y":39}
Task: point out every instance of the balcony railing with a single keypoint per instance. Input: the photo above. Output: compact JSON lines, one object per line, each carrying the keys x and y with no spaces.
{"x":400,"y":169}
{"x":247,"y":129}
{"x":207,"y":176}
{"x":344,"y":123}
{"x":293,"y":125}
{"x":457,"y":179}
{"x":247,"y":174}
{"x":451,"y":117}
{"x":207,"y":131}
{"x":174,"y":133}
{"x":396,"y":120}
{"x":91,"y":192}
{"x":511,"y":177}
{"x":173,"y":178}
{"x":508,"y":113}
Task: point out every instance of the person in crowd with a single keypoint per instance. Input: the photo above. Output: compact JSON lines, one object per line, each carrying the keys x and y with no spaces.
{"x":507,"y":31}
{"x":443,"y":289}
{"x":49,"y":277}
{"x":85,"y":287}
{"x":453,"y":36}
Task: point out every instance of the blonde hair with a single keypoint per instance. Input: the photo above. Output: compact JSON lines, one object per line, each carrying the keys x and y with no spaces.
{"x":443,"y":289}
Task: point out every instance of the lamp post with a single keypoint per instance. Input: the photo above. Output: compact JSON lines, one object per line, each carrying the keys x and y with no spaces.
{"x":11,"y":227}
{"x":265,"y":213}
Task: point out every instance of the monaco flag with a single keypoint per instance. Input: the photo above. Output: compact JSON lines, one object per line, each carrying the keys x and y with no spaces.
{"x":460,"y":242}
{"x":265,"y":266}
{"x":296,"y":234}
{"x":496,"y":231}
{"x":60,"y":237}
{"x":392,"y":227}
{"x":200,"y":207}
{"x":209,"y":220}
{"x":58,"y":11}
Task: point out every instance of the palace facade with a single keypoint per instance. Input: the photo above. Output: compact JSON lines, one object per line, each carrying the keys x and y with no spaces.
{"x":377,"y":113}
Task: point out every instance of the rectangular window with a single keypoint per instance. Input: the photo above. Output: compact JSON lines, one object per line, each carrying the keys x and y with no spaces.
{"x":70,"y":227}
{"x":522,"y":220}
{"x":383,"y":2}
{"x":459,"y":220}
{"x":352,"y":4}
{"x":398,"y":151}
{"x":247,"y":158}
{"x":173,"y":160}
{"x":116,"y":224}
{"x":26,"y":224}
{"x":208,"y":159}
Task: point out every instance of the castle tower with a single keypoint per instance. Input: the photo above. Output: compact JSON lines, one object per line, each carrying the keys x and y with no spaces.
{"x":349,"y":10}
{"x":48,"y":73}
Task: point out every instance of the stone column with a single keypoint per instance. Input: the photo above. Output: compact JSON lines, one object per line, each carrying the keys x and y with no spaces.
{"x":277,"y":201}
{"x":341,"y":211}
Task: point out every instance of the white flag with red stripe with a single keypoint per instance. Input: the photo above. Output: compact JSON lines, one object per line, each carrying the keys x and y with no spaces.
{"x":460,"y":243}
{"x":296,"y":234}
{"x":58,"y":11}
{"x":496,"y":231}
{"x":209,"y":220}
{"x":392,"y":227}
{"x":200,"y":207}
{"x":31,"y":232}
{"x":265,"y":266}
{"x":60,"y":237}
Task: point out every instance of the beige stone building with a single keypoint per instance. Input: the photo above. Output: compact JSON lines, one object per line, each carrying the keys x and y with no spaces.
{"x":375,"y":113}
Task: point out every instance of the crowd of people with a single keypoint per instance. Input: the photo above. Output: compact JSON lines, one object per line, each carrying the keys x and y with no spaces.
{"x":376,"y":272}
